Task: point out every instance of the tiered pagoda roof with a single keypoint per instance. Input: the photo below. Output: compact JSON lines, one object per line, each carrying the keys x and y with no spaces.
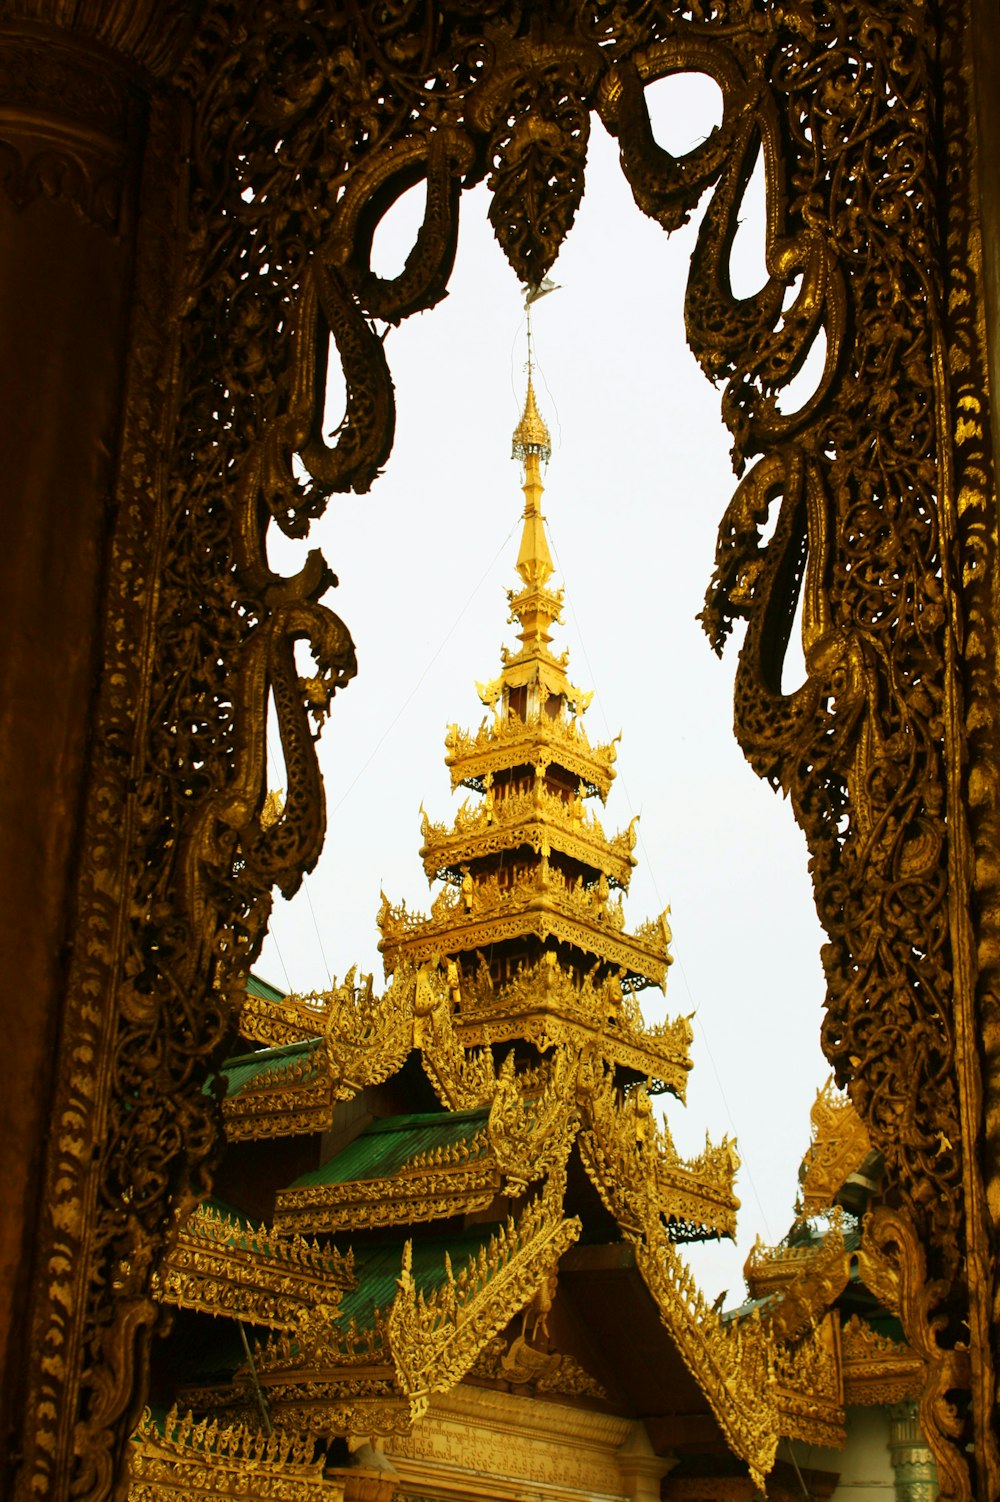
{"x":530,"y":908}
{"x":492,"y":1203}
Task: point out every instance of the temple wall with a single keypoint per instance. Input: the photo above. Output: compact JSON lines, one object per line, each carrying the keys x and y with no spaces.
{"x":866,"y":1473}
{"x":478,"y":1443}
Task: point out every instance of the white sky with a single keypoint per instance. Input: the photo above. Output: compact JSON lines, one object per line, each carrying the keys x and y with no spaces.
{"x":639,"y":478}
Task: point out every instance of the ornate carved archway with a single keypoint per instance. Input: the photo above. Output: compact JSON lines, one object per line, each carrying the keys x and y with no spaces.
{"x":276,"y":138}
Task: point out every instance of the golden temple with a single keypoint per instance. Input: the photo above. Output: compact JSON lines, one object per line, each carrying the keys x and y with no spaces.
{"x":189,"y":201}
{"x":441,"y":1261}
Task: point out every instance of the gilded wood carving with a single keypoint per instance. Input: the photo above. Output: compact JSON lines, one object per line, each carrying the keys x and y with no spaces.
{"x":305,"y":126}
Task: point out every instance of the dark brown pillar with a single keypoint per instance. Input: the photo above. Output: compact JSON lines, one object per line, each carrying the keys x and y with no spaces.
{"x":70,"y":134}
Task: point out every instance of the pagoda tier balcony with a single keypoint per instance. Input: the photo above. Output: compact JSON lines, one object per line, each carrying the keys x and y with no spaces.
{"x":540,"y":903}
{"x":537,"y":819}
{"x":698,"y":1196}
{"x":536,"y":742}
{"x":544,"y":1004}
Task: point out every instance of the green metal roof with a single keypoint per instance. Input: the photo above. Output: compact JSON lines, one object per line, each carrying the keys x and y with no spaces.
{"x":257,"y":986}
{"x":377,"y":1269}
{"x":238,"y":1072}
{"x":387,"y":1146}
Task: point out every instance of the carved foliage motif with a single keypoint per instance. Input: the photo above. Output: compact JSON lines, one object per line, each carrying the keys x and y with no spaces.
{"x":308,"y":124}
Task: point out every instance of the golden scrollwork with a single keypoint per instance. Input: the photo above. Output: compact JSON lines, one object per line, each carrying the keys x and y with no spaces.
{"x":729,"y":1362}
{"x":531,"y":1136}
{"x":323,"y":1374}
{"x":544,"y":1004}
{"x":448,"y":1180}
{"x":436,"y":1338}
{"x":544,"y":903}
{"x":878,"y":1369}
{"x":892,"y":1262}
{"x":808,"y":1386}
{"x":816,"y":1282}
{"x":503,"y":1360}
{"x":349,"y":1037}
{"x":463,"y":1078}
{"x":534,"y":819}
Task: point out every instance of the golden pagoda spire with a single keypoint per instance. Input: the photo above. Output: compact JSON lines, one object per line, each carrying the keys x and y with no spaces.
{"x":529,"y":874}
{"x":535,"y":607}
{"x":531,"y":444}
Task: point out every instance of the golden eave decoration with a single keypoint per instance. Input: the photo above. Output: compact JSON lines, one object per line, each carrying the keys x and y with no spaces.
{"x":327,"y":1046}
{"x":540,"y":903}
{"x":450,"y":1180}
{"x":221,"y":1265}
{"x":632,"y":1161}
{"x":215,"y":1462}
{"x":505,"y":744}
{"x":537,"y":819}
{"x":377,"y":1377}
{"x":504,"y":1147}
{"x":546,"y":1006}
{"x":877,"y":1369}
{"x":840,"y":1147}
{"x":809,"y":1278}
{"x":362,"y":1038}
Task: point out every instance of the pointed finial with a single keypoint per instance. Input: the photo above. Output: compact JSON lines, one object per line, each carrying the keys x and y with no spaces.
{"x":531,"y":436}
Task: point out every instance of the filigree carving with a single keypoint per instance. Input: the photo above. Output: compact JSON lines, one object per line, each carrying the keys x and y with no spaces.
{"x":544,"y":903}
{"x":534,"y":819}
{"x":515,"y":743}
{"x":449,"y":1180}
{"x":529,"y":1369}
{"x":531,"y":1136}
{"x":893,"y":1264}
{"x":387,"y":1366}
{"x":838,"y":1148}
{"x":859,"y":745}
{"x":877,"y":1369}
{"x":635,"y":1168}
{"x":808,"y":1386}
{"x":463,"y":1078}
{"x":730,"y":1363}
{"x":435,"y":1339}
{"x":219,"y":1265}
{"x":817,"y":1281}
{"x":536,"y":110}
{"x":551,"y":1008}
{"x":211,"y":1460}
{"x":353,"y":1038}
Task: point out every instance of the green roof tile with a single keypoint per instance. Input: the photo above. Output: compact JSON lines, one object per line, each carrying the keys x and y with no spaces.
{"x":239,"y":1071}
{"x":263,"y":988}
{"x":377,"y":1269}
{"x":386,"y":1146}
